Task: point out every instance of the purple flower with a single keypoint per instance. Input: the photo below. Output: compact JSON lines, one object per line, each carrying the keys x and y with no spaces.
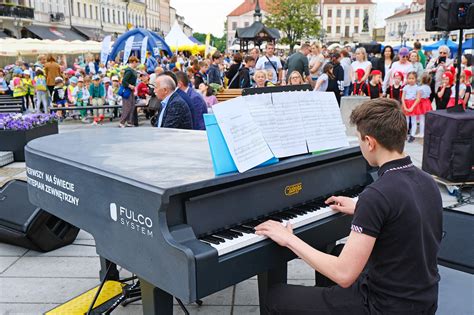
{"x":25,"y":122}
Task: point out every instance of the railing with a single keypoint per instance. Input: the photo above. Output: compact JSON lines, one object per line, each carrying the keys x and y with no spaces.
{"x":16,"y":11}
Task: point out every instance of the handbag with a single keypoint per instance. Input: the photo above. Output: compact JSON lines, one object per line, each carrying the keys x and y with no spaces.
{"x":124,"y":92}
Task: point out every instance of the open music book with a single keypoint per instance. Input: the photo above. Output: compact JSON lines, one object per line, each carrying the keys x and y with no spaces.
{"x":257,"y":128}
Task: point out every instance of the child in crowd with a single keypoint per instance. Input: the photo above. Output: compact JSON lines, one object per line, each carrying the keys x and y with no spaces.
{"x":80,"y":96}
{"x":269,"y":74}
{"x":112,"y":94}
{"x":29,"y":90}
{"x":260,"y":79}
{"x":19,"y":90}
{"x":142,"y":89}
{"x":209,"y":97}
{"x":3,"y":83}
{"x":395,"y":90}
{"x":97,"y":98}
{"x":201,"y":76}
{"x":59,"y":97}
{"x":425,"y":92}
{"x":444,"y":91}
{"x":462,"y":92}
{"x":323,"y":80}
{"x":41,"y":91}
{"x":411,"y":105}
{"x":467,"y":95}
{"x":245,"y":79}
{"x":70,"y":88}
{"x":373,"y":89}
{"x":358,"y":84}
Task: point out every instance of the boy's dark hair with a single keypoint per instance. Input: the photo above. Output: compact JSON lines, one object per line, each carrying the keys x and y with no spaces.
{"x":171,"y":75}
{"x":249,"y":59}
{"x":216,"y":55}
{"x":182,"y":77}
{"x":382,"y":119}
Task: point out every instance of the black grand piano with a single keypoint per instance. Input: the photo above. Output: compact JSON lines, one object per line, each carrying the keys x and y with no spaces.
{"x":152,"y":202}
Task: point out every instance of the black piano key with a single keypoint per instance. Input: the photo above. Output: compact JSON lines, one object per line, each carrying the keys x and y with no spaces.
{"x":224,"y":235}
{"x":298,"y":210}
{"x":287,"y":215}
{"x":211,"y":239}
{"x":244,"y":229}
{"x":275,"y":218}
{"x":236,"y":233}
{"x":253,"y":224}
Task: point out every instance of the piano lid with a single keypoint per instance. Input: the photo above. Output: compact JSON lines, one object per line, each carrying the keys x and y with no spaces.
{"x":167,"y":159}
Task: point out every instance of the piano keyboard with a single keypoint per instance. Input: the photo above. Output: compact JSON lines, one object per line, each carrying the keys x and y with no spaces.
{"x":244,"y":235}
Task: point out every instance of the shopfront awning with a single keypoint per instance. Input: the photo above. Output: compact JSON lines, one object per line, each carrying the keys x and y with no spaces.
{"x":90,"y":33}
{"x":54,"y":33}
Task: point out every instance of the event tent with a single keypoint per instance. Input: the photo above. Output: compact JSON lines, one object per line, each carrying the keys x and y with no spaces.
{"x":176,"y":38}
{"x":30,"y":47}
{"x":452,"y":45}
{"x":155,"y":43}
{"x":468,"y":44}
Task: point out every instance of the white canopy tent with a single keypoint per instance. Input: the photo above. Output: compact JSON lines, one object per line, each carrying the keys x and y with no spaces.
{"x":176,"y":38}
{"x":29,"y":47}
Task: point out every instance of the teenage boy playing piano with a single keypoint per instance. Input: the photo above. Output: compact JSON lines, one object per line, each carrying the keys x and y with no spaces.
{"x":389,"y":263}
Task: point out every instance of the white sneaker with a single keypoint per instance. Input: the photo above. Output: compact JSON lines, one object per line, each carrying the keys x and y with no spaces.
{"x":95,"y":123}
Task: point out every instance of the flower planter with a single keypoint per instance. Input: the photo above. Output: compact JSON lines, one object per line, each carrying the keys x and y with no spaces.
{"x":16,"y":140}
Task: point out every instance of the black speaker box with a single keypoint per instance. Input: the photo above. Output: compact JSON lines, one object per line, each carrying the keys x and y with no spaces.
{"x":23,"y":224}
{"x":456,"y":249}
{"x":448,"y":146}
{"x":449,"y":15}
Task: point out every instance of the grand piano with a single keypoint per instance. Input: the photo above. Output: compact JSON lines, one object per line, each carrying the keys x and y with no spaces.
{"x":152,"y":202}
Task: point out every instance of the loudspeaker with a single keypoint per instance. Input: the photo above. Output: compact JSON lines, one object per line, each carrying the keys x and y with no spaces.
{"x":23,"y":224}
{"x":449,"y":15}
{"x":456,"y":249}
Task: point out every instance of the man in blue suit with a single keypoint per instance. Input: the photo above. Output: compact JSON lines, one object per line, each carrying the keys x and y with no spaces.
{"x":196,"y":102}
{"x":174,"y":110}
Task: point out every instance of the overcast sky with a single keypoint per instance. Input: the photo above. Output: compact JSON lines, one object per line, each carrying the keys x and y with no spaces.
{"x":209,"y":15}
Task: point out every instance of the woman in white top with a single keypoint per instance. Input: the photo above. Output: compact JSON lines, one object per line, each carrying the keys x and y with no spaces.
{"x":360,"y":63}
{"x":440,"y":65}
{"x":316,"y":63}
{"x":402,"y":65}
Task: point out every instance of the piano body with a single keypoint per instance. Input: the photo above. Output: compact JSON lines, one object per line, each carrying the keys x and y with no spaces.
{"x":152,"y":202}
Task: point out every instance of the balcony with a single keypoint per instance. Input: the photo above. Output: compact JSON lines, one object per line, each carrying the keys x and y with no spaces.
{"x":14,"y":11}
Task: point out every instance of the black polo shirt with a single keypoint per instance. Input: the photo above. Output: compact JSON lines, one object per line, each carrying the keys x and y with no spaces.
{"x":402,"y":209}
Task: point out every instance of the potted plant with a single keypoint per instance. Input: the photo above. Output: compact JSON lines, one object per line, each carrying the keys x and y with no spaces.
{"x":16,"y":130}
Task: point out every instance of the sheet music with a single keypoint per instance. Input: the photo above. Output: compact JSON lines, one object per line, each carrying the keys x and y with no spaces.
{"x":322,"y":121}
{"x":244,"y":139}
{"x":262,"y":111}
{"x":289,"y":124}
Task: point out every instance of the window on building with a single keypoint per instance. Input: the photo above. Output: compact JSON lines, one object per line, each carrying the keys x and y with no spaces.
{"x":329,"y":13}
{"x":346,"y":31}
{"x":123,"y":17}
{"x":348,"y":14}
{"x":78,"y":9}
{"x":85,"y":10}
{"x":108,"y":15}
{"x":96,"y":12}
{"x":357,"y":13}
{"x":338,"y":30}
{"x":118,"y":17}
{"x":356,"y":29}
{"x":90,"y":11}
{"x":234,"y":26}
{"x":329,"y":31}
{"x":338,"y":13}
{"x":113,"y":16}
{"x":103,"y":14}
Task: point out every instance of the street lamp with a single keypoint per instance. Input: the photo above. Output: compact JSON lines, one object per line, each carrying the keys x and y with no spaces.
{"x":402,"y":29}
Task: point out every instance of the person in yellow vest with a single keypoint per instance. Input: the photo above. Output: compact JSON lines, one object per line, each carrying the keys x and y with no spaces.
{"x":19,"y":90}
{"x":29,"y":90}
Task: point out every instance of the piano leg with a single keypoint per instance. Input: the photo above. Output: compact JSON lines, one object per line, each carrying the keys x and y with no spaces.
{"x":155,"y":300}
{"x":113,"y":273}
{"x":268,"y":279}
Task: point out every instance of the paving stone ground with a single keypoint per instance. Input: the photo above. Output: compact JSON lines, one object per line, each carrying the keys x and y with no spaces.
{"x":32,"y":282}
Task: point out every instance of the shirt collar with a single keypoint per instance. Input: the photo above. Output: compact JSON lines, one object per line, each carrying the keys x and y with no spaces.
{"x":166,"y":100}
{"x":399,"y":163}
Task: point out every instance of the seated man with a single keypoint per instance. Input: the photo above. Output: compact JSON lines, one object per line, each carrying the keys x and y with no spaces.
{"x":174,"y":111}
{"x":396,"y":233}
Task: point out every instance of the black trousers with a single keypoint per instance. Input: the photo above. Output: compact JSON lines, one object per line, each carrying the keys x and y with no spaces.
{"x":285,"y":299}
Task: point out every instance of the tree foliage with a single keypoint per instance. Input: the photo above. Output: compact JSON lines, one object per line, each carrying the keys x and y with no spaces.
{"x":218,"y":42}
{"x":295,"y":19}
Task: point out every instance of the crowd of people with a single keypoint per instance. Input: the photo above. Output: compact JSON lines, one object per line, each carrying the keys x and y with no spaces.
{"x":420,"y":82}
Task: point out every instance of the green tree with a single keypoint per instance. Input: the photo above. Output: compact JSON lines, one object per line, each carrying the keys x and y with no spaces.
{"x":296,"y":19}
{"x":218,"y":42}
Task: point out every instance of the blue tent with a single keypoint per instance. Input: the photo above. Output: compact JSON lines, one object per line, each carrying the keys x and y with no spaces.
{"x":156,"y":44}
{"x":452,"y":45}
{"x":468,"y":44}
{"x":194,"y":40}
